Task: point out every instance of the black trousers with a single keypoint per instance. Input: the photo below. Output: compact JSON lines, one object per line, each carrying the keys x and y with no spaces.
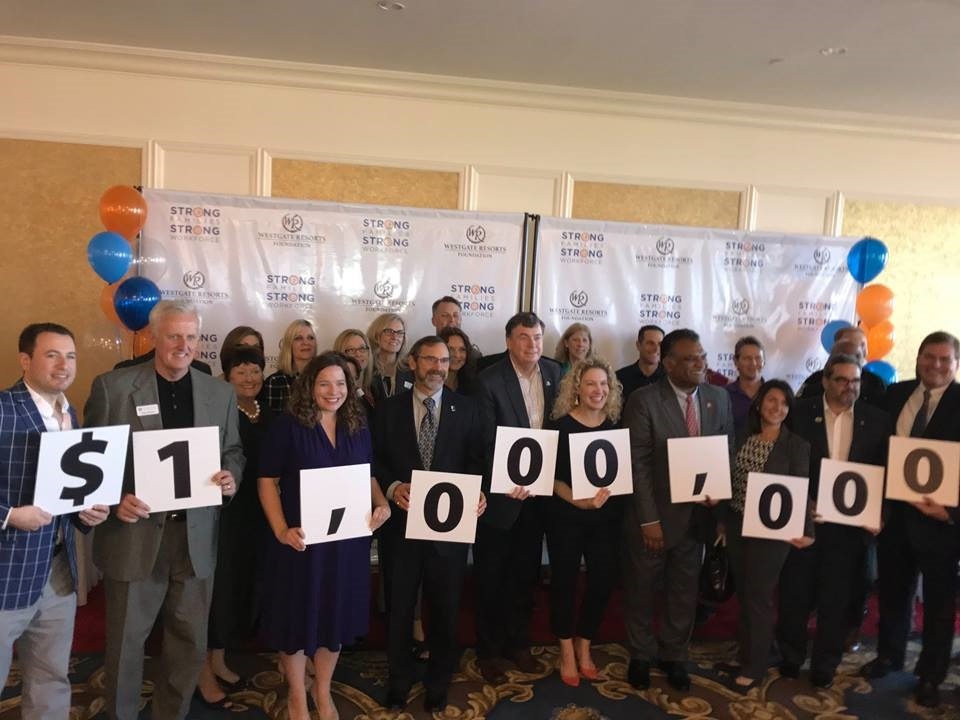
{"x":573,"y":534}
{"x":441,"y":571}
{"x":901,"y":553}
{"x":506,"y":566}
{"x":825,"y":576}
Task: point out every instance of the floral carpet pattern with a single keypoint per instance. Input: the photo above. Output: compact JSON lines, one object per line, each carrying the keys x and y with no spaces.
{"x":360,"y":687}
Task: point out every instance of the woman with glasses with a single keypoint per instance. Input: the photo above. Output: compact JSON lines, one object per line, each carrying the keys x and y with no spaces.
{"x":353,"y":343}
{"x":297,"y":347}
{"x":386,"y":336}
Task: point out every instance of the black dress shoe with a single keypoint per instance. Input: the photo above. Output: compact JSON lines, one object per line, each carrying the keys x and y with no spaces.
{"x":676,"y":674}
{"x":927,"y":694}
{"x":396,"y":699}
{"x":821,"y":678}
{"x":789,"y":670}
{"x":491,"y":671}
{"x":435,"y":701}
{"x":638,"y":674}
{"x":525,"y":662}
{"x":879,"y":667}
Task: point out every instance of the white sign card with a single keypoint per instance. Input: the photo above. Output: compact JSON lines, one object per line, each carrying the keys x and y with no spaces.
{"x":598,"y":460}
{"x":775,"y":507}
{"x":919,"y":468}
{"x":174,"y":469}
{"x":850,"y":493}
{"x":526,"y":458}
{"x":78,"y":469}
{"x":443,"y":506}
{"x":699,"y":467}
{"x":335,"y":503}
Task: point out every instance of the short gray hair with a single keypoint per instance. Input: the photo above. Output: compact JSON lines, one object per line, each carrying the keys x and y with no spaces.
{"x":172,"y":307}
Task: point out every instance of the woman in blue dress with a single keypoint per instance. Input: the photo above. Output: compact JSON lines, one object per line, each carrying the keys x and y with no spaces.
{"x":316,"y":597}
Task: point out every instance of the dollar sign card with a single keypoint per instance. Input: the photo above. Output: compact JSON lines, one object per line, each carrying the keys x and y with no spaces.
{"x":78,"y":469}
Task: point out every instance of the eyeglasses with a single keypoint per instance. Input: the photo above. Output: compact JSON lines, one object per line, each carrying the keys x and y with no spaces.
{"x":845,"y":382}
{"x":434,"y":360}
{"x":359,"y":350}
{"x":390,"y":332}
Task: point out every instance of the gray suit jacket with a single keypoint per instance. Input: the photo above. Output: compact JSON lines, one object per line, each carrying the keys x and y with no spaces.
{"x":128,"y":551}
{"x":653,"y":415}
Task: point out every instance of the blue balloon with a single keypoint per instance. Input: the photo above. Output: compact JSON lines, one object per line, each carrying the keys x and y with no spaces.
{"x":886,"y":371}
{"x":829,"y":330}
{"x":866,"y":259}
{"x":110,"y":255}
{"x":134,"y":299}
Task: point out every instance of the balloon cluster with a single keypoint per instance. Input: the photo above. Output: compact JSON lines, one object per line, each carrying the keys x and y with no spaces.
{"x":866,"y":260}
{"x":123,"y":212}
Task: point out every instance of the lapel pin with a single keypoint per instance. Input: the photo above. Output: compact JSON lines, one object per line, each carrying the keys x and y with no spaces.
{"x":709,"y":405}
{"x":548,"y":383}
{"x":818,"y":419}
{"x":453,"y":408}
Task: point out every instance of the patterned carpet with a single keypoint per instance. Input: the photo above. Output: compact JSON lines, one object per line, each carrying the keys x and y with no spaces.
{"x":360,"y":687}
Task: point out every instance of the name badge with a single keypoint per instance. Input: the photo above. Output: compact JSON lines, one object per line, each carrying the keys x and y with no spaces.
{"x":148,"y":410}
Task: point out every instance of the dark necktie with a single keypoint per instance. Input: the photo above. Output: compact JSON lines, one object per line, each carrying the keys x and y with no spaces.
{"x":920,"y":421}
{"x":428,"y":433}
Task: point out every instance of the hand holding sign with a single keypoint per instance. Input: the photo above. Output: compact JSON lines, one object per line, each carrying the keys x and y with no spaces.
{"x":775,"y":506}
{"x":918,"y":468}
{"x":335,"y":503}
{"x":524,"y":459}
{"x":600,"y":459}
{"x":78,"y":469}
{"x":699,"y":468}
{"x":443,"y":506}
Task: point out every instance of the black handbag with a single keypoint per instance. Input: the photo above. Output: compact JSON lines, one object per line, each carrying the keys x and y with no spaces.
{"x":716,"y":579}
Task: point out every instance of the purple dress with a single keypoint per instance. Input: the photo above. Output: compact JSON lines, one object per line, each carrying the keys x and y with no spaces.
{"x":319,"y":597}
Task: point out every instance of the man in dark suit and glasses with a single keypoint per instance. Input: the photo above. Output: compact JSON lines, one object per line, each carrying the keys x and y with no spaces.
{"x":426,"y":428}
{"x":838,"y":426}
{"x":921,"y":536}
{"x":38,"y":559}
{"x":517,"y":391}
{"x":161,"y":563}
{"x":663,"y":539}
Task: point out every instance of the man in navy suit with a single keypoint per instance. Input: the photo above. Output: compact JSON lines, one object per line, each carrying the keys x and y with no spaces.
{"x":426,"y":428}
{"x":838,"y":426}
{"x":921,"y":536}
{"x":517,"y":391}
{"x":38,"y":564}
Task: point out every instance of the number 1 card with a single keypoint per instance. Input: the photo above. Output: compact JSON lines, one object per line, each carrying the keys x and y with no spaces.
{"x":174,"y":469}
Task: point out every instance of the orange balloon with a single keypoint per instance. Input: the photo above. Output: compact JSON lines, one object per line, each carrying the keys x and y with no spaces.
{"x":875,"y":304}
{"x":142,"y":342}
{"x":106,"y":303}
{"x":880,"y":340}
{"x":123,"y":210}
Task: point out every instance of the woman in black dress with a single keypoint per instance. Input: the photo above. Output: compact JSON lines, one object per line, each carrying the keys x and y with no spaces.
{"x":233,"y":608}
{"x":588,"y":401}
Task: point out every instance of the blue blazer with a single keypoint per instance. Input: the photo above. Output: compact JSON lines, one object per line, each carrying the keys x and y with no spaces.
{"x":25,"y":556}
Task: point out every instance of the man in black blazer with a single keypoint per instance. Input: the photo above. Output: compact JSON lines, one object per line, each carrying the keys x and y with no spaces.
{"x":664,"y":540}
{"x":517,"y":391}
{"x":425,"y":428}
{"x":921,"y":536}
{"x":838,"y":426}
{"x":849,"y":341}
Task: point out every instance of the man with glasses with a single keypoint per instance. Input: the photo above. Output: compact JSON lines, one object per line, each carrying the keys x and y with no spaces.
{"x":849,"y":341}
{"x":825,"y":576}
{"x":429,"y":427}
{"x":663,"y":540}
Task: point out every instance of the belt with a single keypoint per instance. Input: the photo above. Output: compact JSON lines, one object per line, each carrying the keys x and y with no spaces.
{"x":178,"y":516}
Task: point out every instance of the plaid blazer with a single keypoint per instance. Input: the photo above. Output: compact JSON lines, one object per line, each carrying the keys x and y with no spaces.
{"x":25,"y":556}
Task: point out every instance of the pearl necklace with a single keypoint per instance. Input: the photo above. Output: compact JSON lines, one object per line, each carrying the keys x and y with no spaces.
{"x":255,"y":414}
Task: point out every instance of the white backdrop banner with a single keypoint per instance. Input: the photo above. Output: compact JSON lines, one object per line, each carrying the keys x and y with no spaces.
{"x":617,"y":277}
{"x":267,"y":261}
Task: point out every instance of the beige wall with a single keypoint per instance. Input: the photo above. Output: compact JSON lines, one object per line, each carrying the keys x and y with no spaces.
{"x":220,"y":126}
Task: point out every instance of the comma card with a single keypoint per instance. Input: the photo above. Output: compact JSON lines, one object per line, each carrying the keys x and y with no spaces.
{"x":699,"y":468}
{"x":335,"y":503}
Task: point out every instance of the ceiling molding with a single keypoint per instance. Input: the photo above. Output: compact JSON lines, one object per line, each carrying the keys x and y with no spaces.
{"x":222,"y":68}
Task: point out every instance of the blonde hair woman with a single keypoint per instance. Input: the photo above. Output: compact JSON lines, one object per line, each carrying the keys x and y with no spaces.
{"x":387,"y":335}
{"x":297,"y":347}
{"x":575,"y":345}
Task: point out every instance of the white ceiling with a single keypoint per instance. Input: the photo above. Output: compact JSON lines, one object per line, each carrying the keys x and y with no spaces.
{"x":902,"y":56}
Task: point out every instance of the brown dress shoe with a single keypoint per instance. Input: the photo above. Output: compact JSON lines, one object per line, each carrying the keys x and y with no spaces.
{"x":491,"y":671}
{"x":525,"y":662}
